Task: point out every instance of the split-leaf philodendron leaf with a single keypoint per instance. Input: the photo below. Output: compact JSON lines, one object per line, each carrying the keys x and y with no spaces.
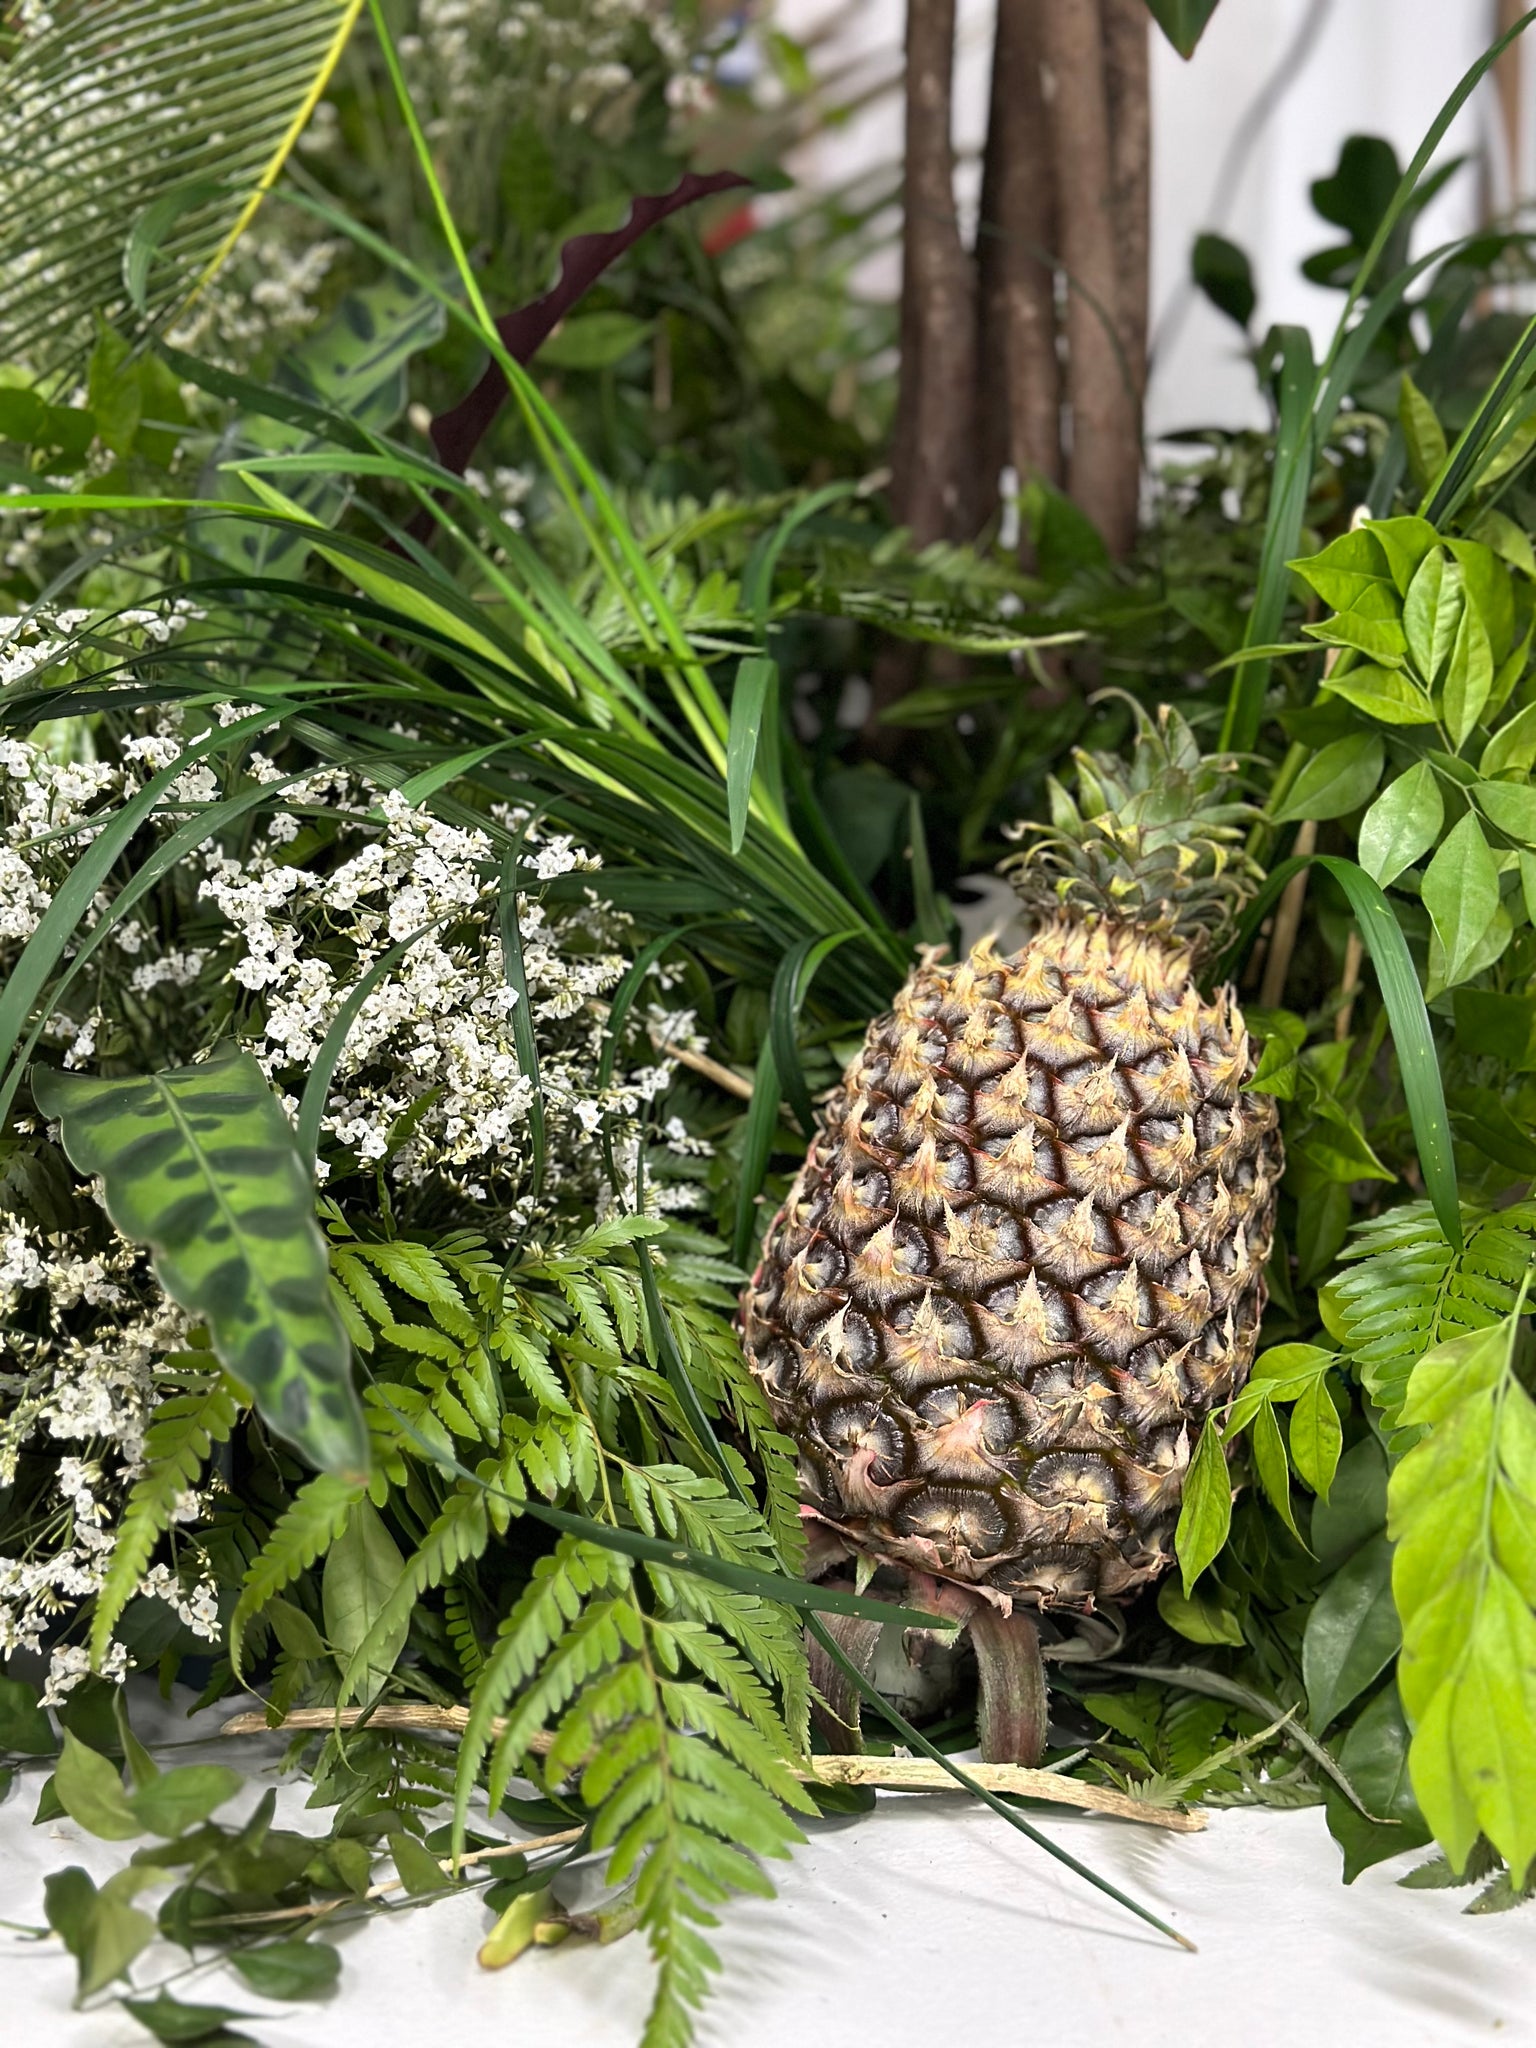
{"x":201,"y":1165}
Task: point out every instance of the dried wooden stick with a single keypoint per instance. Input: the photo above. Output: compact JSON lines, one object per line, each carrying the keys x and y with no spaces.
{"x":895,"y":1773}
{"x":1287,"y":923}
{"x":917,"y":1774}
{"x":1354,"y":955}
{"x":701,"y":1063}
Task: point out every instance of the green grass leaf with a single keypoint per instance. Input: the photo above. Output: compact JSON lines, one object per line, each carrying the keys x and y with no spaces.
{"x":201,"y":1165}
{"x":753,"y":701}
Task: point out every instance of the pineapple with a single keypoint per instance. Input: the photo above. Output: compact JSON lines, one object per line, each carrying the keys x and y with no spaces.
{"x":1025,"y":1254}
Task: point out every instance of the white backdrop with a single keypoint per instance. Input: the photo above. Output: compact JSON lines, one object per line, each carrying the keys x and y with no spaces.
{"x":1360,"y":66}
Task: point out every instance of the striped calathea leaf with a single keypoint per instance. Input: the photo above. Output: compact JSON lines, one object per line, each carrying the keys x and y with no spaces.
{"x":202,"y":1166}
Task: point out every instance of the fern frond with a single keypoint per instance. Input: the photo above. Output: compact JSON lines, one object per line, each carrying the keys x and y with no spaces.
{"x":463,"y":1634}
{"x":1408,"y":1290}
{"x":181,"y":1432}
{"x":310,"y":1524}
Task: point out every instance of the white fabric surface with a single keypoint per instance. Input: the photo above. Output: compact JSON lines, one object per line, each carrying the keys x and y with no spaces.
{"x":927,"y":1924}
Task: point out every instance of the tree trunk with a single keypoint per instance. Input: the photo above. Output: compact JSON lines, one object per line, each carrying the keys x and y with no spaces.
{"x":933,"y":483}
{"x":1019,"y":400}
{"x":1104,"y":464}
{"x":1127,"y":33}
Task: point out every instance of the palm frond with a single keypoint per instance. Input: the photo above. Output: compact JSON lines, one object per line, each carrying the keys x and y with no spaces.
{"x":137,"y":138}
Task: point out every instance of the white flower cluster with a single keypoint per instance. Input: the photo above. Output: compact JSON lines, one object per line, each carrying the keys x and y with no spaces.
{"x":428,"y":1090}
{"x":484,"y":62}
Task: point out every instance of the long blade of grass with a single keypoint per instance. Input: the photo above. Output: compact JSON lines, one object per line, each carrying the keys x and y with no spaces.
{"x":791,"y":985}
{"x":1403,"y":1000}
{"x":752,"y":701}
{"x":964,"y":1782}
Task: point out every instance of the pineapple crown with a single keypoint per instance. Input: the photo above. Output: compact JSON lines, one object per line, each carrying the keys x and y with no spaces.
{"x":1153,"y":840}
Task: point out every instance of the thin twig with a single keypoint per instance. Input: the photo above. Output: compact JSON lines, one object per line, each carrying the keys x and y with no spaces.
{"x":701,"y":1063}
{"x":1354,"y":955}
{"x":1287,"y":923}
{"x":897,"y":1774}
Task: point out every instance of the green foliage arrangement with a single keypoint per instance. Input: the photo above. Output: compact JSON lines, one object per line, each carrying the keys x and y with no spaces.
{"x":431,"y":913}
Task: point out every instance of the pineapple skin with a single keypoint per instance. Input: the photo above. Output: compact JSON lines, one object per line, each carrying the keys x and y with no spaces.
{"x":1023,"y":1260}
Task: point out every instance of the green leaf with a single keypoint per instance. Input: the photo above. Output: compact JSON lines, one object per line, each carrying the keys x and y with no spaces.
{"x":1374,"y":1757}
{"x":1386,"y":694}
{"x":168,"y":2019}
{"x":25,"y":1729}
{"x":201,"y":1165}
{"x":91,"y":1792}
{"x":1222,"y":271}
{"x":1182,"y":21}
{"x":180,"y":1799}
{"x":1512,"y":750}
{"x":1511,"y":806}
{"x":1423,"y":435}
{"x":594,"y":341}
{"x":1338,"y":779}
{"x":1271,"y":1465}
{"x":417,"y":1868}
{"x":1350,"y":568}
{"x":1317,"y":1438}
{"x":288,"y":1969}
{"x":1356,"y":1507}
{"x":752,"y":701}
{"x":1200,"y":1619}
{"x":362,"y":1569}
{"x":1469,"y":675}
{"x":1352,"y":1633}
{"x":101,"y":1929}
{"x":113,"y":392}
{"x":1432,"y":614}
{"x":294,"y":1630}
{"x":1205,"y":1514}
{"x":1403,"y":823}
{"x":1461,"y":894}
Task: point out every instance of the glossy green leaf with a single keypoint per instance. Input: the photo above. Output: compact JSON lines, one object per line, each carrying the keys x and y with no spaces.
{"x":1432,"y":614}
{"x":1461,"y":894}
{"x":1385,"y":694}
{"x":1512,"y":750}
{"x":201,"y":1165}
{"x":1468,"y":675}
{"x":1511,"y":806}
{"x":1352,"y":1633}
{"x":1423,"y":435}
{"x":1272,"y":1466}
{"x":1205,"y":1513}
{"x":1402,"y":824}
{"x":1352,"y":567}
{"x":1198,"y":1618}
{"x":1316,"y":1438}
{"x":1222,"y":271}
{"x":1338,"y":779}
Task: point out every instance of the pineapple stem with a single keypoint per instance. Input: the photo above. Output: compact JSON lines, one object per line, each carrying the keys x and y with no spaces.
{"x":915,"y":1739}
{"x":1013,"y":1712}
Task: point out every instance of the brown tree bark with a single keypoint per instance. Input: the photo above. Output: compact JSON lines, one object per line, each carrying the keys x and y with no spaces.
{"x":1127,"y":32}
{"x":1019,"y":373}
{"x":1104,"y":464}
{"x":933,"y":483}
